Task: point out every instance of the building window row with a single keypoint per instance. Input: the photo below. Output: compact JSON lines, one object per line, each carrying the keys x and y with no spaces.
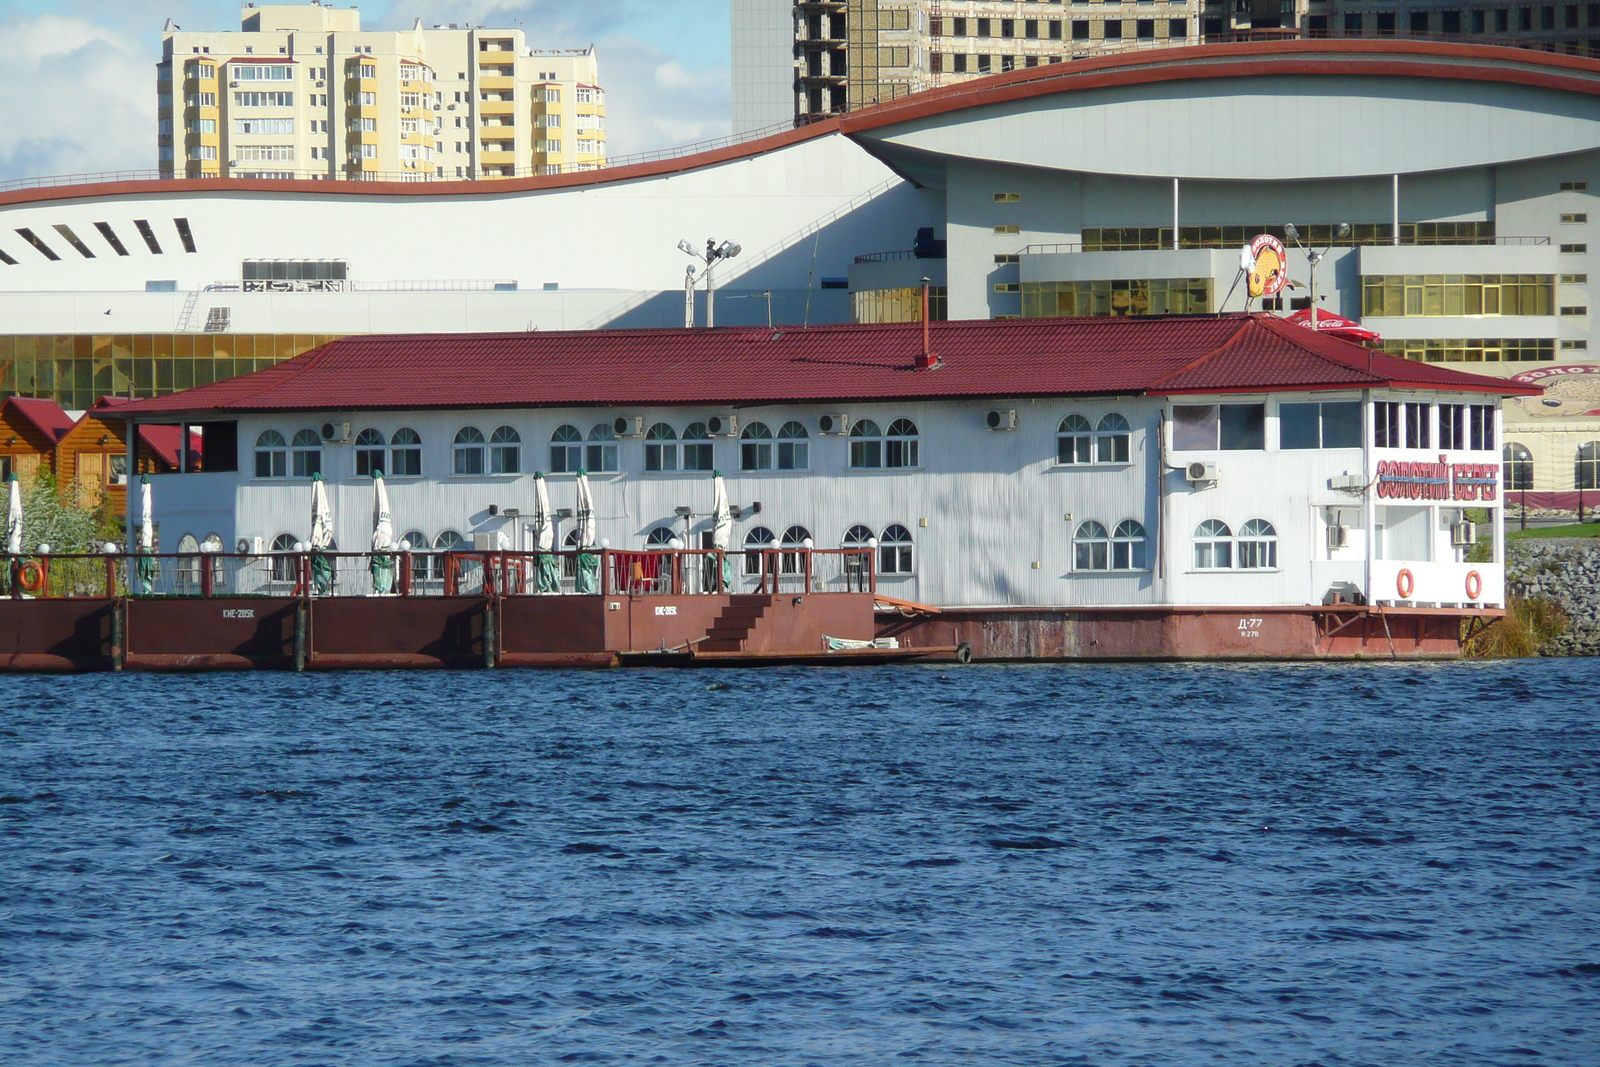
{"x":1125,"y":548}
{"x":1107,"y":442}
{"x":1217,"y":548}
{"x":1159,"y":238}
{"x":1136,"y":296}
{"x":1413,"y":295}
{"x":1473,"y":350}
{"x":1413,"y":425}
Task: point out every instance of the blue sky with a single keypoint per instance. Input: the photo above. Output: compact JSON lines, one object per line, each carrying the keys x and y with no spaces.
{"x":79,"y":79}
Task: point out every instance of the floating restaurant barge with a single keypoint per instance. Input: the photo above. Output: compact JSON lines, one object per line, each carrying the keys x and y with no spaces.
{"x":1181,"y":487}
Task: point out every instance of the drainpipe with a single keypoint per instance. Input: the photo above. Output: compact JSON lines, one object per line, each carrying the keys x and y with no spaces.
{"x":130,"y":478}
{"x":1368,"y":503}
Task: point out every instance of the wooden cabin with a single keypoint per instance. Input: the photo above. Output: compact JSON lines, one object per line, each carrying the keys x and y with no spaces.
{"x":92,"y":455}
{"x":30,"y":429}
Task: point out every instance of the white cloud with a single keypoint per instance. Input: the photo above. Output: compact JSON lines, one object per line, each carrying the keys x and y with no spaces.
{"x":653,"y":102}
{"x":79,"y":97}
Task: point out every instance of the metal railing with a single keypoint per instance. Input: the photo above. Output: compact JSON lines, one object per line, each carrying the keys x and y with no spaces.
{"x":598,"y":572}
{"x":1188,"y":246}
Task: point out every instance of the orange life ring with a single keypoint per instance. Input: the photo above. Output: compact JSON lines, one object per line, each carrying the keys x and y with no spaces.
{"x":1474,"y":585}
{"x":1406,"y":583}
{"x":31,"y":578}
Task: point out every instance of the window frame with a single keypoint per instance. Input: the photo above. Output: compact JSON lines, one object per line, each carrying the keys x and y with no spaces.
{"x":661,"y":449}
{"x":370,"y":443}
{"x":704,"y":456}
{"x":468,"y":448}
{"x":756,"y":451}
{"x":753,"y":546}
{"x":305,"y":458}
{"x":566,"y":444}
{"x":1130,"y":551}
{"x":1109,"y":431}
{"x":1210,"y":536}
{"x":1091,"y":547}
{"x":792,"y":447}
{"x":601,"y":452}
{"x":1256,"y":539}
{"x":900,"y":551}
{"x":1076,"y":440}
{"x":276,"y":453}
{"x":1516,"y":464}
{"x":405,"y":454}
{"x":505,"y":451}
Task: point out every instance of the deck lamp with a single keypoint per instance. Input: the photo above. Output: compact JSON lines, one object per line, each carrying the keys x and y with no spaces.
{"x":299,"y":546}
{"x":808,"y":544}
{"x":44,"y":549}
{"x":111,"y":548}
{"x":1314,"y":257}
{"x":676,"y":544}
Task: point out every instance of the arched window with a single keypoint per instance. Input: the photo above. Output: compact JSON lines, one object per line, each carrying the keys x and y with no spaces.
{"x":188,"y":570}
{"x":696,"y":447}
{"x":894,"y":550}
{"x":1213,"y":546}
{"x":1128,"y":551}
{"x":1258,"y":545}
{"x":900,"y":444}
{"x":661,"y":448}
{"x":1586,"y":474}
{"x":601,"y":452}
{"x":405,"y":454}
{"x":1519,"y":466}
{"x":283,"y":562}
{"x":305,"y":454}
{"x":1072,"y":440}
{"x":369,"y":453}
{"x":1091,"y":548}
{"x":858,"y":536}
{"x":794,"y":447}
{"x":448,"y":540}
{"x":755,"y":448}
{"x":505,"y":451}
{"x":566,"y":450}
{"x":793,"y":537}
{"x":569,"y":563}
{"x":1111,"y":437}
{"x":757,"y":539}
{"x":866,"y":445}
{"x":658,"y":537}
{"x":272,"y":455}
{"x":468,"y":451}
{"x":418,"y":546}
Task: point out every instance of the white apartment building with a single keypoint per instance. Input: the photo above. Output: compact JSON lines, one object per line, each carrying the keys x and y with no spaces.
{"x":301,"y":91}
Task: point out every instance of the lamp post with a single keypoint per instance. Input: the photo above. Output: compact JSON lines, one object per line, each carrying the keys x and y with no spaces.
{"x":1315,"y":257}
{"x":713,"y":254}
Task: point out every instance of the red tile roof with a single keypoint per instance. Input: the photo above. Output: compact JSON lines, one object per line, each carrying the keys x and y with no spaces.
{"x":750,"y":366}
{"x":163,"y":441}
{"x":45,"y":415}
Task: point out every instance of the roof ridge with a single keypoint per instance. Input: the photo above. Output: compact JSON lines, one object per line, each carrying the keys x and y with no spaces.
{"x":1201,"y":360}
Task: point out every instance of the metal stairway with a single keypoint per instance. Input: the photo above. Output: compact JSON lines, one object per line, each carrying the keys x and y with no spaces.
{"x":732,"y":628}
{"x":188,"y":312}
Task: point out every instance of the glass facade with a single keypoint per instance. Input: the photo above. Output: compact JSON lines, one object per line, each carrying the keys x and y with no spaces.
{"x":1318,"y":235}
{"x":1132,"y":296}
{"x":76,"y":370}
{"x":898,"y":305}
{"x":1428,"y":295}
{"x":1472,"y":349}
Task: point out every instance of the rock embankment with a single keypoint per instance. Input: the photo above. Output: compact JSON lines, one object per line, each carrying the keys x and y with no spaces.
{"x":1566,"y":572}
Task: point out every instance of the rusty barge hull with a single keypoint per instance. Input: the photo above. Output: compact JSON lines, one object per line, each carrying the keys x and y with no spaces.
{"x":345,"y":633}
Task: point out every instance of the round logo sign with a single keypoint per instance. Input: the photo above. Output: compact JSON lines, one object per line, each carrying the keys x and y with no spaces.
{"x":1266,"y":264}
{"x":1570,"y":390}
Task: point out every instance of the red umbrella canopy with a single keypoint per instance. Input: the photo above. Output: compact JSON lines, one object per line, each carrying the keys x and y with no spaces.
{"x":1338,"y":325}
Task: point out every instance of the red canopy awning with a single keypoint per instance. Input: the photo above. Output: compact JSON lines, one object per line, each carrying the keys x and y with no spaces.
{"x":1337,"y":325}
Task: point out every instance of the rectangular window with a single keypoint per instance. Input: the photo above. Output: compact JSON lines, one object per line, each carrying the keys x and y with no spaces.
{"x":203,"y":151}
{"x":262,"y":72}
{"x":266,"y":153}
{"x":1575,"y":249}
{"x":1007,"y":228}
{"x":263,"y":99}
{"x":202,"y":125}
{"x":1007,"y":198}
{"x":1113,"y":29}
{"x":1177,"y":29}
{"x":1452,"y":426}
{"x":1575,"y":187}
{"x":1080,"y":29}
{"x":410,"y":99}
{"x":200,"y":100}
{"x":1327,"y":425}
{"x":1055,"y":35}
{"x":1244,"y":426}
{"x":1574,"y":346}
{"x":1575,"y":217}
{"x":1480,"y":427}
{"x":269,"y":126}
{"x":1575,"y":309}
{"x":1386,"y":424}
{"x":1194,"y":427}
{"x":1418,"y":425}
{"x":1574,"y":279}
{"x":1411,"y":295}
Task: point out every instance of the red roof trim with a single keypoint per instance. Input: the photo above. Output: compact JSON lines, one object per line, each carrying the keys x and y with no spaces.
{"x":486,"y":188}
{"x":1421,"y":59}
{"x":1404,"y":58}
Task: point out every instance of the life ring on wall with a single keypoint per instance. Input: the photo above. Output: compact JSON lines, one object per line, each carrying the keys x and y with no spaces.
{"x":31,"y":577}
{"x":1406,"y":583}
{"x":1474,"y":585}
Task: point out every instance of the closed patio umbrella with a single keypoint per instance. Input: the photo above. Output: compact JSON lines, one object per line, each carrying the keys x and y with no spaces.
{"x":722,"y":526}
{"x":545,"y":537}
{"x":382,"y":560}
{"x":588,"y":562}
{"x":321,"y":538}
{"x":147,"y":538}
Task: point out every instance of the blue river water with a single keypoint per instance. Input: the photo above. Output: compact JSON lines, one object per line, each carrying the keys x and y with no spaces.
{"x":1107,"y":865}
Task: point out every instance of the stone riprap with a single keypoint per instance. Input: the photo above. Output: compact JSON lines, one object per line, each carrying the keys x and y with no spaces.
{"x":1565,"y":571}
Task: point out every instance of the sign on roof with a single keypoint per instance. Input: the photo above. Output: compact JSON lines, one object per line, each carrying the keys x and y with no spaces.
{"x":1266,"y":265}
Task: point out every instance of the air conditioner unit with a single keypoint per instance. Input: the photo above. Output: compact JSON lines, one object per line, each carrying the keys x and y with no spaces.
{"x":333,"y":432}
{"x":1198,"y":472}
{"x":628,"y":425}
{"x":233,"y":85}
{"x":833,"y":424}
{"x":319,"y":85}
{"x":1347,"y":483}
{"x":724,"y":425}
{"x":1001,"y":420}
{"x":484,"y":542}
{"x":1463,"y":534}
{"x":1338,"y":537}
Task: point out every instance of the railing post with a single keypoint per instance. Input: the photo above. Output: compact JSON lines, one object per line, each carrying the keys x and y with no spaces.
{"x":872,"y":571}
{"x":111,"y":577}
{"x":677,"y":573}
{"x":405,"y":574}
{"x":807,"y":574}
{"x":206,"y":575}
{"x":607,"y":587}
{"x":450,"y":574}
